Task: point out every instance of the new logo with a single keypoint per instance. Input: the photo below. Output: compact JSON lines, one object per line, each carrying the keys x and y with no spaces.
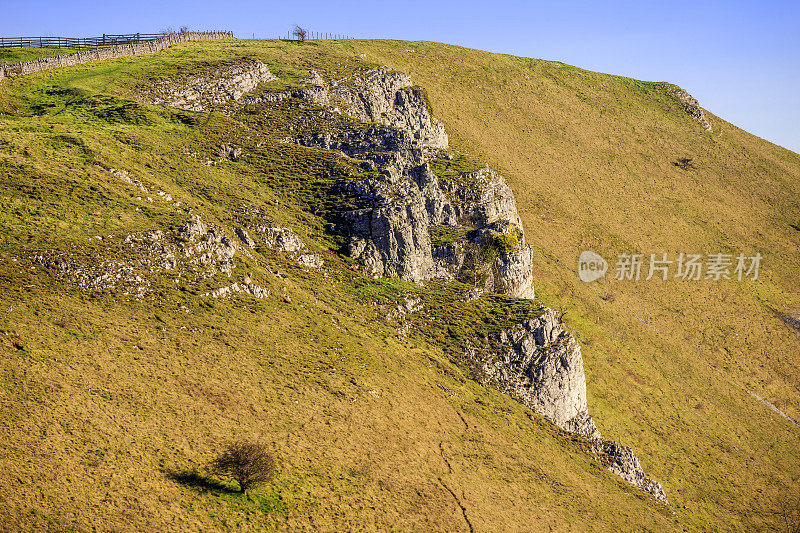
{"x":591,"y":266}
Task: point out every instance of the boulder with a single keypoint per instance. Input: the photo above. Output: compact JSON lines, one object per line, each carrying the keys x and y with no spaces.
{"x":623,"y":462}
{"x":541,"y":366}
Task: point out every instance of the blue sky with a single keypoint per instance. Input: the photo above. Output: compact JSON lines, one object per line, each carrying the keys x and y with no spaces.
{"x":741,"y":60}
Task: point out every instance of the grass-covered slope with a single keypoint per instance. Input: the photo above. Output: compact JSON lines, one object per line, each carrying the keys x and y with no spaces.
{"x":112,"y":406}
{"x":15,"y":55}
{"x":590,"y":158}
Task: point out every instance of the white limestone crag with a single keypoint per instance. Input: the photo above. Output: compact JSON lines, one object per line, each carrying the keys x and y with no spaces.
{"x":541,"y":367}
{"x":388,"y":97}
{"x":390,"y":236}
{"x":226,"y":83}
{"x":539,"y":364}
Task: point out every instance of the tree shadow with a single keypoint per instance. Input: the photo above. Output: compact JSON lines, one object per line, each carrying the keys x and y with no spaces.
{"x":790,"y":318}
{"x":199,"y":481}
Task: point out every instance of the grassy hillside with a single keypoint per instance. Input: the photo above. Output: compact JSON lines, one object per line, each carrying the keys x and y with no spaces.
{"x":590,"y":158}
{"x":112,"y":405}
{"x":14,"y":55}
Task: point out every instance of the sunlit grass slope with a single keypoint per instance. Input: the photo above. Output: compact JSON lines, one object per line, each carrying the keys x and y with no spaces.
{"x":108,"y":402}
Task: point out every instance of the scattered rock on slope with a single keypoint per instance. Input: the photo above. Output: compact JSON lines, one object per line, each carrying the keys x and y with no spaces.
{"x":540,"y":365}
{"x":286,"y":240}
{"x":199,"y":93}
{"x":210,"y":246}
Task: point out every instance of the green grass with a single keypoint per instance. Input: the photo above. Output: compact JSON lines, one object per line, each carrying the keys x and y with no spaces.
{"x":105,"y":397}
{"x":451,"y":168}
{"x":441,"y":235}
{"x":16,"y":55}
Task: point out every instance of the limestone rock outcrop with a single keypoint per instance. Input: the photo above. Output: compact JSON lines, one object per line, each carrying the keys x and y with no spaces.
{"x":387,"y":97}
{"x":542,"y":368}
{"x":690,"y":104}
{"x":540,"y":365}
{"x":405,"y":201}
{"x":199,"y":93}
{"x":195,"y":251}
{"x":286,"y":240}
{"x":394,"y":133}
{"x":210,"y":246}
{"x":247,"y":286}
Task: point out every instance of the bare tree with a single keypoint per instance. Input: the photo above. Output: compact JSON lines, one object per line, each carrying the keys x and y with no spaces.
{"x":299,"y":33}
{"x":248,"y":463}
{"x":685,"y":163}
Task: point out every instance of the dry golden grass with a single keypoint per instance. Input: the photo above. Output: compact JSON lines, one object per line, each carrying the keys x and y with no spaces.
{"x":590,"y":159}
{"x":98,"y":434}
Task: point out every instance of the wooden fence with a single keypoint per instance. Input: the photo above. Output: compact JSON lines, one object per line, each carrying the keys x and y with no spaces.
{"x":78,"y":42}
{"x":292,"y":36}
{"x":99,"y":53}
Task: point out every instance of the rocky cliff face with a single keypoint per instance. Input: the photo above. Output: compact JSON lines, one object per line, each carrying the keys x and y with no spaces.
{"x":394,"y":133}
{"x":406,"y":200}
{"x":540,"y":365}
{"x":387,"y":97}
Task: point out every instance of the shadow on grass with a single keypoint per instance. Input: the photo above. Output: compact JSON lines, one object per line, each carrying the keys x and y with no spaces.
{"x":790,"y":318}
{"x":200,"y":482}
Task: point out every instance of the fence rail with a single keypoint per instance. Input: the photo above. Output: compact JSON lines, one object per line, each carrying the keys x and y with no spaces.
{"x":106,"y":39}
{"x":101,"y":53}
{"x":312,"y":35}
{"x":112,"y":39}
